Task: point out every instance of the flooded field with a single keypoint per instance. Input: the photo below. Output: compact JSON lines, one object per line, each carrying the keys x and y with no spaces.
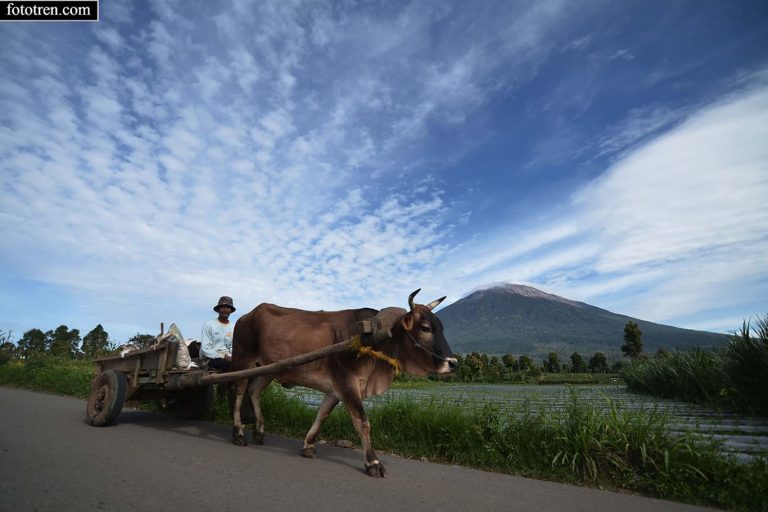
{"x":741,"y":435}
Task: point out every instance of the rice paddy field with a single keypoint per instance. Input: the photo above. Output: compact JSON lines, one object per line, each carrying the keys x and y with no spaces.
{"x":740,"y":435}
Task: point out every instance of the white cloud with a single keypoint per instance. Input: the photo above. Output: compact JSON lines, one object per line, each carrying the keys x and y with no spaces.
{"x":108,"y":36}
{"x":161,"y":44}
{"x":153,"y":198}
{"x":579,"y":43}
{"x":699,"y":187}
{"x":674,"y":227}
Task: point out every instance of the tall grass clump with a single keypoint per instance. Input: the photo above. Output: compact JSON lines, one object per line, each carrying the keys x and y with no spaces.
{"x":746,"y":362}
{"x":736,"y":377}
{"x":694,"y":376}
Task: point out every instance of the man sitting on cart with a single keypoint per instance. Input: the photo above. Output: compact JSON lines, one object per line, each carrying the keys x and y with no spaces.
{"x":216,"y":338}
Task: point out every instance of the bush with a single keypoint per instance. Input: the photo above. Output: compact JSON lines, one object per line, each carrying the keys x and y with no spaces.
{"x":59,"y":375}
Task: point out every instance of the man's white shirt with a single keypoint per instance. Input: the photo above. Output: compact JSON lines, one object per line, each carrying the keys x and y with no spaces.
{"x":216,"y":339}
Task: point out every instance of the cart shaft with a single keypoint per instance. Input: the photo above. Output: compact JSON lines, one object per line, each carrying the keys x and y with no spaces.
{"x":217,"y":378}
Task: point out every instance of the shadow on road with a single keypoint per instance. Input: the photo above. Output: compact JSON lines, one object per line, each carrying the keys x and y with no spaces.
{"x":217,"y":432}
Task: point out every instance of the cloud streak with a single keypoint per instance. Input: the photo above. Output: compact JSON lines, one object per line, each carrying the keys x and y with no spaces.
{"x":683,"y":215}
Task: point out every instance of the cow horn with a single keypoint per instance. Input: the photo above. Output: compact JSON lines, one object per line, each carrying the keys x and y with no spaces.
{"x":435,"y":303}
{"x":410,"y":298}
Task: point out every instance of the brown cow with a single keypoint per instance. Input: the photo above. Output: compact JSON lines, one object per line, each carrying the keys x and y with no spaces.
{"x":271,"y":333}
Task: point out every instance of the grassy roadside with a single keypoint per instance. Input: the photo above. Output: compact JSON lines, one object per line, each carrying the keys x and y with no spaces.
{"x":580,"y":444}
{"x":583,"y":445}
{"x":52,"y":374}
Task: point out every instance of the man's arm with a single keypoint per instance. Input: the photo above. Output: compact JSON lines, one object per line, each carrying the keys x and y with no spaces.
{"x":206,"y":342}
{"x":226,"y":348}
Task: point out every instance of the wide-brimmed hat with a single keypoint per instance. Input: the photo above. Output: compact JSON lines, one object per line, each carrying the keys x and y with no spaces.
{"x":224,"y":301}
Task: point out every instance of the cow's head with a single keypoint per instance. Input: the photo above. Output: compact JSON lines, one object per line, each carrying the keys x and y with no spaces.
{"x":422,"y":345}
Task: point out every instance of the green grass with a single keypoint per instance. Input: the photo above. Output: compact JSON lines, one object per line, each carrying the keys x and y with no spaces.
{"x":582,"y":443}
{"x":734,"y":377}
{"x":51,"y":374}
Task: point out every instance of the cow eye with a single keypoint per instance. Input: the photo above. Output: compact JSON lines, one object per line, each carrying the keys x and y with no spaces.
{"x":426,"y":328}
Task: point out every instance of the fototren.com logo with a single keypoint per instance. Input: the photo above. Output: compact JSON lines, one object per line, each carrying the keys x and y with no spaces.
{"x":49,"y":10}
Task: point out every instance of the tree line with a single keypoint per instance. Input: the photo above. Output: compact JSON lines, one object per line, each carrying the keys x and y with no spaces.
{"x":478,"y":367}
{"x":474,"y":367}
{"x":65,"y":343}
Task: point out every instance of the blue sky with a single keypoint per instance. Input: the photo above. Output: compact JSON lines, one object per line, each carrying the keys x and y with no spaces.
{"x":332,"y":155}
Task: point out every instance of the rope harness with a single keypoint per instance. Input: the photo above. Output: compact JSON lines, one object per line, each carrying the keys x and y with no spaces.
{"x":365,"y":350}
{"x":422,"y":347}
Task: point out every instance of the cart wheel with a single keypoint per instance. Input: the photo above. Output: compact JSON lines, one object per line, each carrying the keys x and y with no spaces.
{"x":192,"y":404}
{"x":106,"y":399}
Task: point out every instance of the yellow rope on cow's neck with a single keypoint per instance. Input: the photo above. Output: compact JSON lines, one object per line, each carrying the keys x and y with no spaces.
{"x":364,"y":350}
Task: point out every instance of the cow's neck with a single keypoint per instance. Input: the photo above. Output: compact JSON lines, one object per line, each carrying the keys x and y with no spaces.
{"x":381,"y":372}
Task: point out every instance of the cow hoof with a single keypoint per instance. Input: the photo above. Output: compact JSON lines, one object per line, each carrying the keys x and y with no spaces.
{"x":238,"y":439}
{"x":376,"y":470}
{"x":309,"y":452}
{"x":258,"y":437}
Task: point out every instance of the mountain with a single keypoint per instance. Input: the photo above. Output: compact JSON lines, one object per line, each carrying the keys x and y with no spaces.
{"x":517,"y":319}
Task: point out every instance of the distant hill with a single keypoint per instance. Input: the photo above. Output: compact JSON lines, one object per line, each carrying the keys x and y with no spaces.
{"x":517,"y":319}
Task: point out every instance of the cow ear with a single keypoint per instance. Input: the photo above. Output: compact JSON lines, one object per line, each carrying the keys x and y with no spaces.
{"x":435,"y":303}
{"x":407,"y":322}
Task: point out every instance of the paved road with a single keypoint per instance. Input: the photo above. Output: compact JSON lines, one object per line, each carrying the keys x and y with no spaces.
{"x":50,"y":459}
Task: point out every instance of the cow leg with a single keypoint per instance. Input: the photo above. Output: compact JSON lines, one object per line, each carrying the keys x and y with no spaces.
{"x":354,"y":404}
{"x":257,"y":386}
{"x":238,"y":436}
{"x":326,"y":406}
